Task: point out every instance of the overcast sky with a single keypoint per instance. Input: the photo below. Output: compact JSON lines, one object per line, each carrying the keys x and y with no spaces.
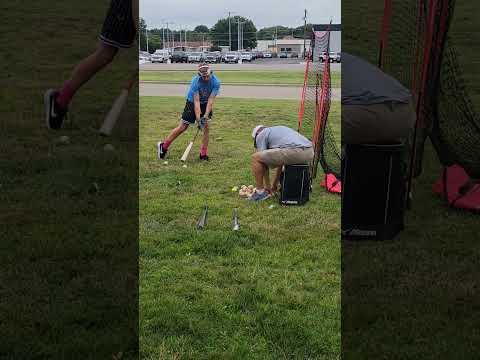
{"x":263,"y":13}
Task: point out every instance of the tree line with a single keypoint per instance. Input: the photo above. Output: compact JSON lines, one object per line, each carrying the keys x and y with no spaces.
{"x":218,"y":34}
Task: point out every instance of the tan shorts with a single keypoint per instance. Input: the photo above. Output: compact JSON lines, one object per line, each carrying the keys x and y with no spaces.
{"x":377,"y":123}
{"x":286,"y":156}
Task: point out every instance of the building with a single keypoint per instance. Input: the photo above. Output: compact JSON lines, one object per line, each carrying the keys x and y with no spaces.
{"x":335,"y":35}
{"x":194,"y":45}
{"x":291,"y":44}
{"x":287,"y":44}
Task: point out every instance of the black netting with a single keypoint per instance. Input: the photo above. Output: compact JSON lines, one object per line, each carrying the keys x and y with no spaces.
{"x":315,"y":107}
{"x":416,"y":51}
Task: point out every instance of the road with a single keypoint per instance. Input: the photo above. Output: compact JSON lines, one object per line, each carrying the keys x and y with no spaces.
{"x":236,"y":91}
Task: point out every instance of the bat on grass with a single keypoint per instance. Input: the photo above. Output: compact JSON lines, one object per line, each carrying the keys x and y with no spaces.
{"x":116,"y":109}
{"x":236,"y":224}
{"x":189,"y":147}
{"x":202,"y":221}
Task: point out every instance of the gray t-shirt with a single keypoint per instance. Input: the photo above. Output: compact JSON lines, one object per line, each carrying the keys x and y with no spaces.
{"x":365,"y":84}
{"x":281,"y":137}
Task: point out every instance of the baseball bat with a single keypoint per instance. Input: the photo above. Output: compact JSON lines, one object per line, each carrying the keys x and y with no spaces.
{"x":236,"y":223}
{"x":116,"y":109}
{"x":189,"y":147}
{"x":202,"y":222}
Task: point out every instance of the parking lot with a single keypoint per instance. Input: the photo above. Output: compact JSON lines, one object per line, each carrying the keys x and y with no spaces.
{"x":258,"y":64}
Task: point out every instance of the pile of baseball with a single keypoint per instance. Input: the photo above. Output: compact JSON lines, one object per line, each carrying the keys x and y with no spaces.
{"x":246,"y":191}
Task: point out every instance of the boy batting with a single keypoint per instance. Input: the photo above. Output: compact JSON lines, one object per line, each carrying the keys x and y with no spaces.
{"x":199,"y":108}
{"x":118,"y":31}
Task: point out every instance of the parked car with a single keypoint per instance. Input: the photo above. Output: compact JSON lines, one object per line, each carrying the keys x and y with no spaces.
{"x":267,"y":55}
{"x":246,"y":56}
{"x":260,"y":55}
{"x":144,"y":56}
{"x":195,"y":57}
{"x":218,"y":56}
{"x":160,"y":56}
{"x":335,"y":57}
{"x":231,"y":56}
{"x":294,"y":55}
{"x":283,"y":55}
{"x":210,"y":57}
{"x":179,"y":57}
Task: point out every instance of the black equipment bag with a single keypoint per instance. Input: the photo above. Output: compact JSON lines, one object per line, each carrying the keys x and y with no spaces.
{"x":373,"y":193}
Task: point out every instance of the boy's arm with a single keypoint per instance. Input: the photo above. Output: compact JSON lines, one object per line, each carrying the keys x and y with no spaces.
{"x":196,"y":103}
{"x":211,"y":98}
{"x":210,"y":102}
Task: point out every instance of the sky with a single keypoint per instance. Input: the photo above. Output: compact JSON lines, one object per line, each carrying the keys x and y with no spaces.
{"x":264,"y":13}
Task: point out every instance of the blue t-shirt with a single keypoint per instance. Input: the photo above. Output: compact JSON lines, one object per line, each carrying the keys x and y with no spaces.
{"x":203,"y":88}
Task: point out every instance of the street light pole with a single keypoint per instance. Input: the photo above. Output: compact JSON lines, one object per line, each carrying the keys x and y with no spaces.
{"x":304,"y":34}
{"x":229,"y":34}
{"x":146,"y":34}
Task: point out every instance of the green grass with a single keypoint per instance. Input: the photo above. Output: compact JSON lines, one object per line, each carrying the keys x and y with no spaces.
{"x":270,"y":291}
{"x":68,"y":254}
{"x":284,"y":78}
{"x":415,"y":297}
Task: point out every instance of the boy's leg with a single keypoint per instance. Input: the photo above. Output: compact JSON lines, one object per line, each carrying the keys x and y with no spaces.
{"x":176,"y":132}
{"x":56,"y":101}
{"x":84,"y":71}
{"x":206,"y":133}
{"x":204,"y":146}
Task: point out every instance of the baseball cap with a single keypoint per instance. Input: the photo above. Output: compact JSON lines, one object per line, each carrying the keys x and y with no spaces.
{"x":204,"y":70}
{"x":255,"y":129}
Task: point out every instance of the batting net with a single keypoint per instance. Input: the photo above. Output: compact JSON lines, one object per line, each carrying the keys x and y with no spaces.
{"x":315,"y":106}
{"x":416,"y":50}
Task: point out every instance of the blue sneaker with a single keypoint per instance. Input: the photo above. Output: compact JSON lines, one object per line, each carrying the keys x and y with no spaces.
{"x":259,"y":197}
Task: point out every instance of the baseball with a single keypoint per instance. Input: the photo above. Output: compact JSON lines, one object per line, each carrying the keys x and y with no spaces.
{"x":235,"y":189}
{"x":185,"y":165}
{"x":165,"y":163}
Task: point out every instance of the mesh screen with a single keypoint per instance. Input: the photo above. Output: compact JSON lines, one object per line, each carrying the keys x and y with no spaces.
{"x":315,"y":107}
{"x":414,"y":49}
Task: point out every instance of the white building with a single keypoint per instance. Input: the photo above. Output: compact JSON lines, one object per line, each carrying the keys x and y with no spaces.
{"x":287,"y":44}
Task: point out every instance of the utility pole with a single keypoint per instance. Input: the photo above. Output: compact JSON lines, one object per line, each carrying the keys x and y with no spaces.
{"x":229,"y":34}
{"x":163,"y":37}
{"x":276,"y":50}
{"x":238,"y":34}
{"x":168,"y":40}
{"x":146,"y":34}
{"x":305,"y":34}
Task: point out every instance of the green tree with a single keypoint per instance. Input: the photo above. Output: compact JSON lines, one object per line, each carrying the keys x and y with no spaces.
{"x":201,"y":29}
{"x":142,"y":27}
{"x":219,"y":33}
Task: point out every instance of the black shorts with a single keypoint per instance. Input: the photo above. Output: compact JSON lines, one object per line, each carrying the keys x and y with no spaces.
{"x":118,"y":29}
{"x":188,"y":116}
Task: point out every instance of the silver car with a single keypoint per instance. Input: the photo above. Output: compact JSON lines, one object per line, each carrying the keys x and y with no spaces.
{"x":231,"y":57}
{"x":195,"y":57}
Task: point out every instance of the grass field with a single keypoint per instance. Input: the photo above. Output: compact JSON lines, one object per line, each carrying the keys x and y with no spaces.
{"x":68,"y":252}
{"x":270,"y":291}
{"x":415,"y":297}
{"x":284,"y":78}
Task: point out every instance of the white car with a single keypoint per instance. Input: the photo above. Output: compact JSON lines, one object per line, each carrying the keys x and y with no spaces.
{"x":144,"y":57}
{"x":231,"y":57}
{"x":246,"y":56}
{"x":267,"y":55}
{"x":160,"y":56}
{"x":195,"y":57}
